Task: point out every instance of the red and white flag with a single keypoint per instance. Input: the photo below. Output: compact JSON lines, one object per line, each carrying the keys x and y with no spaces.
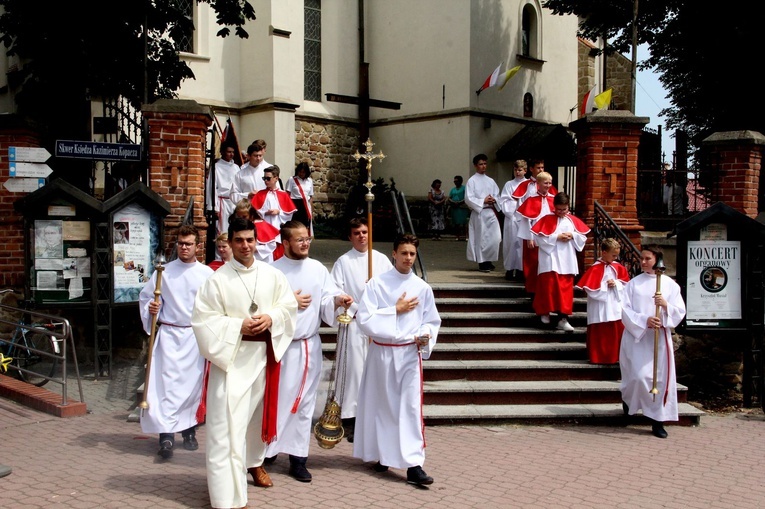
{"x":490,"y":81}
{"x":588,"y":103}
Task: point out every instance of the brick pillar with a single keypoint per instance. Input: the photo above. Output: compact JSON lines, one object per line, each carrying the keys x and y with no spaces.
{"x":177,"y":141}
{"x":14,"y":132}
{"x":606,"y":171}
{"x":738,"y":156}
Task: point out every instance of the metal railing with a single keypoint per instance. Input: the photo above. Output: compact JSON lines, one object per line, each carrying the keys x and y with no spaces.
{"x":605,"y":227}
{"x":403,"y":227}
{"x":62,"y":334}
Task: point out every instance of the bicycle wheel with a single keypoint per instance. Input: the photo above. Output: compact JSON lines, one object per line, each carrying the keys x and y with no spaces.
{"x":36,"y":363}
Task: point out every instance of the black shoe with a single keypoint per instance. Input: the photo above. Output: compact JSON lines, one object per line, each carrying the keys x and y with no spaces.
{"x":190,"y":443}
{"x":166,"y":449}
{"x":491,"y":266}
{"x":349,"y":427}
{"x":483,"y":267}
{"x":509,"y":275}
{"x":625,"y":408}
{"x":379,"y":467}
{"x":270,"y":459}
{"x":658,"y":430}
{"x":416,"y":475}
{"x":298,"y":470}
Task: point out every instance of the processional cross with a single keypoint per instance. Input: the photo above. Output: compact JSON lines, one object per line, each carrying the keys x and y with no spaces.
{"x":368,"y":156}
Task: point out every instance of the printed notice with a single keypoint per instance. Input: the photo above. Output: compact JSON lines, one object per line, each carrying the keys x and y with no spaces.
{"x":714,"y":280}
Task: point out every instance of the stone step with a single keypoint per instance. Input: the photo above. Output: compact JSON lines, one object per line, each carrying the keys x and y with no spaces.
{"x":600,"y":413}
{"x":518,"y":370}
{"x":496,"y":335}
{"x":506,"y":319}
{"x":464,"y":392}
{"x":486,"y":305}
{"x":496,"y":351}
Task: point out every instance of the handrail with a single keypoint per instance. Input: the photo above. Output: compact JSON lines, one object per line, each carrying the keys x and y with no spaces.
{"x":606,"y":227}
{"x":401,"y":229}
{"x":64,"y":336}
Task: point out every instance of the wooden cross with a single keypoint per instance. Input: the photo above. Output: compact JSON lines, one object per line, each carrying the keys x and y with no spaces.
{"x":368,"y":156}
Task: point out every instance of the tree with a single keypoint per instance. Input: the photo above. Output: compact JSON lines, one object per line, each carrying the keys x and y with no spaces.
{"x":68,"y":52}
{"x":706,"y":60}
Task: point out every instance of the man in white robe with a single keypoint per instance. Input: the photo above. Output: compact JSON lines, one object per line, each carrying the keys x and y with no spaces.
{"x":318,"y":297}
{"x":226,"y":171}
{"x":398,"y":313}
{"x":351,"y":272}
{"x":636,"y":354}
{"x":481,"y":193}
{"x":244,"y":320}
{"x":176,"y":369}
{"x":249,"y":179}
{"x":512,"y":244}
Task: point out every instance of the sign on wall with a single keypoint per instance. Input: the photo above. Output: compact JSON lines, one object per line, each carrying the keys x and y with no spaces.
{"x":714,"y":280}
{"x":132,"y":241}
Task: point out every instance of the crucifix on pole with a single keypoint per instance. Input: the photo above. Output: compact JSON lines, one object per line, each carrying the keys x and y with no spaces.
{"x":368,"y":156}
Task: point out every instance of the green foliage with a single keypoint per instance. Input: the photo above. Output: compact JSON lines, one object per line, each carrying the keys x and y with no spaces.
{"x":69,"y":52}
{"x":704,"y":57}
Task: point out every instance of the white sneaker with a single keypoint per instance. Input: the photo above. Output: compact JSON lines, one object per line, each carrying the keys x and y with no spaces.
{"x":564,"y":325}
{"x":545,"y":319}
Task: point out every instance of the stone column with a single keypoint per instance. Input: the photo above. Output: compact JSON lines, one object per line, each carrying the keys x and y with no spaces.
{"x":177,"y":142}
{"x":737,"y":156}
{"x":606,"y":171}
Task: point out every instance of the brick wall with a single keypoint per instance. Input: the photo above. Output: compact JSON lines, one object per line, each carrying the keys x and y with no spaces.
{"x":740,"y":158}
{"x":177,"y":139}
{"x":13,"y":133}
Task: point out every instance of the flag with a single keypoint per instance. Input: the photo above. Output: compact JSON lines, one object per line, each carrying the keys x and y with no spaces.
{"x":505,"y":77}
{"x":588,"y":101}
{"x":490,"y":81}
{"x":228,"y":138}
{"x":603,"y":101}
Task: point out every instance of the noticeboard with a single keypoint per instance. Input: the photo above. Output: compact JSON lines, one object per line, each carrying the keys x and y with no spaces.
{"x":135,"y":238}
{"x":62,"y":251}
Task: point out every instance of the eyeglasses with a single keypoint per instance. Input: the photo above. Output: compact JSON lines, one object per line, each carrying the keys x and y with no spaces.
{"x":267,"y":178}
{"x":307,"y":240}
{"x":186,"y":244}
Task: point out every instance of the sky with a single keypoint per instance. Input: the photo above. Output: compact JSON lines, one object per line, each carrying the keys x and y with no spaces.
{"x":650,"y":99}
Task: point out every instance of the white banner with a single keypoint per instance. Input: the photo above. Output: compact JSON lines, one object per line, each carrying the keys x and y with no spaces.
{"x":714,"y":280}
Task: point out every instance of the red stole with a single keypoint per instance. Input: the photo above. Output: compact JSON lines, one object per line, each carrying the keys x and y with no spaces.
{"x":593,"y":277}
{"x":523,"y":188}
{"x":532,"y":207}
{"x":549,"y":224}
{"x":305,"y":200}
{"x":285,"y":202}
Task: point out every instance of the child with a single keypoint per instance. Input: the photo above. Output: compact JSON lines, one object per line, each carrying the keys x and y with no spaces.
{"x":529,"y":212}
{"x":559,"y":236}
{"x":398,"y":313}
{"x":604,"y":283}
{"x":223,"y":249}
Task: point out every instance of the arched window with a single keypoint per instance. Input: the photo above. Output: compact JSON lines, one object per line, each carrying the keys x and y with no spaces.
{"x":528,"y":105}
{"x":530,"y":36}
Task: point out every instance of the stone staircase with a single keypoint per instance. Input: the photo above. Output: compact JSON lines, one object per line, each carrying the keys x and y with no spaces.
{"x":494,"y":363}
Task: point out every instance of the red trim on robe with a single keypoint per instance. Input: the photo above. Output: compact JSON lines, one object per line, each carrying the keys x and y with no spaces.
{"x":305,"y":200}
{"x":523,"y":187}
{"x":548,"y":225}
{"x":532,"y":207}
{"x":593,"y":277}
{"x":283,"y":197}
{"x":266,"y":232}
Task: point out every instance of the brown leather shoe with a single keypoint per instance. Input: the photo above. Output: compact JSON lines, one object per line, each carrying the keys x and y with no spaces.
{"x":261,"y":477}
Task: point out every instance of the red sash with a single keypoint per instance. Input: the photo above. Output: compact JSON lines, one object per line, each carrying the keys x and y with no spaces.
{"x":271,"y":394}
{"x":305,"y":201}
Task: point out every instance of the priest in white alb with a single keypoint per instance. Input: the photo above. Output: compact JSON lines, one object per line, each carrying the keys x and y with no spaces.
{"x":484,"y":234}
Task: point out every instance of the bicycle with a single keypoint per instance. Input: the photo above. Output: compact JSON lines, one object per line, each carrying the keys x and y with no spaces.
{"x":33,"y":348}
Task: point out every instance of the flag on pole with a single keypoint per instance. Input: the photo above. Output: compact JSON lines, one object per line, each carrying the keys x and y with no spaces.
{"x":603,"y":101}
{"x":505,"y":77}
{"x":490,"y":81}
{"x":588,"y":102}
{"x":228,"y":139}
